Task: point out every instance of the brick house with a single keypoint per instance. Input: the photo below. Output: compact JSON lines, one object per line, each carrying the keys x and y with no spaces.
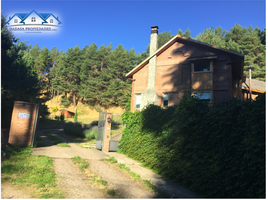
{"x":209,"y":72}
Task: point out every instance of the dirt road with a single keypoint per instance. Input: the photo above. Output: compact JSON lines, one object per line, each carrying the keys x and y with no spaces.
{"x":76,"y":185}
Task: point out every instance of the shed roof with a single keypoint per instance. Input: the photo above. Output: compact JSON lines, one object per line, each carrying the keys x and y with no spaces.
{"x":172,"y":41}
{"x":255,"y":84}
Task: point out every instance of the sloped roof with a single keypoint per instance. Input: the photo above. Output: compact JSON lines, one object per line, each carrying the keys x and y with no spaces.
{"x":48,"y":15}
{"x":39,"y":15}
{"x":255,"y":84}
{"x":43,"y":16}
{"x":171,"y":42}
{"x":19,"y":15}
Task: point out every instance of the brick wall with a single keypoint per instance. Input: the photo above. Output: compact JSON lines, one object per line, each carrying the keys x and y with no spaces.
{"x":22,"y":123}
{"x":107,"y":136}
{"x":174,"y":74}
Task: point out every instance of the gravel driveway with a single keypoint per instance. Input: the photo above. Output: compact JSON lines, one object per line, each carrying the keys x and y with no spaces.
{"x":75,"y":184}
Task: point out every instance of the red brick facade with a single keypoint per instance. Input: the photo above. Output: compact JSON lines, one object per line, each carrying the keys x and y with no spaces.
{"x":107,"y":134}
{"x":175,"y":76}
{"x":22,"y":123}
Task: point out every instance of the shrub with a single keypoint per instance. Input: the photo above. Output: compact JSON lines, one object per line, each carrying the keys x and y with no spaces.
{"x":62,"y":115}
{"x":75,"y":115}
{"x":74,"y":129}
{"x":94,"y":123}
{"x":91,"y":134}
{"x":57,"y":117}
{"x":216,"y":151}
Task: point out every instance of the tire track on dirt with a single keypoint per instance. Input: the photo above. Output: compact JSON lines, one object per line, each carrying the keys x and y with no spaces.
{"x":122,"y":185}
{"x":74,"y":183}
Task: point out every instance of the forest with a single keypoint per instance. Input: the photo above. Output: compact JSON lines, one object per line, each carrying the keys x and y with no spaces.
{"x":95,"y":75}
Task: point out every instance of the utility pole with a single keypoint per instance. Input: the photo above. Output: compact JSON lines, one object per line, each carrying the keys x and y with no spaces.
{"x":250,"y":67}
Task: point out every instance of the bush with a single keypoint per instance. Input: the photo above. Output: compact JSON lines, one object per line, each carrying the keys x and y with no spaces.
{"x":62,"y":115}
{"x":75,"y":115}
{"x":91,"y":134}
{"x":216,"y":151}
{"x":57,"y":117}
{"x":74,"y":129}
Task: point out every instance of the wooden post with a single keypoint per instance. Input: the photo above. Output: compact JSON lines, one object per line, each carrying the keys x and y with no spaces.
{"x":250,"y":92}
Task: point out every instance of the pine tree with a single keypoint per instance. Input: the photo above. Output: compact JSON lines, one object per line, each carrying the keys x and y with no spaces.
{"x":212,"y":36}
{"x":73,"y":64}
{"x":19,"y":81}
{"x":90,"y":70}
{"x":249,"y":43}
{"x":187,"y":33}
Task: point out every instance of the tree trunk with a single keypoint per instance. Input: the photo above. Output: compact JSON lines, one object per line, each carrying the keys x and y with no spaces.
{"x":74,"y":99}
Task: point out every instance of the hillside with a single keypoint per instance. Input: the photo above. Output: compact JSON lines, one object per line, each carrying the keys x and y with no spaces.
{"x":84,"y":111}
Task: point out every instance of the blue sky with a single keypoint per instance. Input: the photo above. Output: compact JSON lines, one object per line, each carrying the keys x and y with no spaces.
{"x":129,"y":22}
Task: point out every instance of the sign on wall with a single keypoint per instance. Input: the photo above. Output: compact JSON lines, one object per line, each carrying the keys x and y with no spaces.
{"x":23,"y":115}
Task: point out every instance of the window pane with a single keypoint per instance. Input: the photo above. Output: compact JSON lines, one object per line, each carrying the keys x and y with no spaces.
{"x":165,"y":99}
{"x":165,"y":103}
{"x":202,"y":66}
{"x":138,"y":100}
{"x":165,"y":96}
{"x":203,"y":95}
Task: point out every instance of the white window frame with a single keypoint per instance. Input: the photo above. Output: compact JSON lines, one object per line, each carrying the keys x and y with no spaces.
{"x":165,"y":97}
{"x":210,"y":68}
{"x":51,"y":20}
{"x":138,"y":101}
{"x":199,"y":94}
{"x":15,"y":20}
{"x":33,"y":19}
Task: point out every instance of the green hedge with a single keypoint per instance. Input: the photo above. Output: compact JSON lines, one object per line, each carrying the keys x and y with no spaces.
{"x":216,"y":151}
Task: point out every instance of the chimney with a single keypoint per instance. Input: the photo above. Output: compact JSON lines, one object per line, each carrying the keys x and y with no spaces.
{"x":154,"y":40}
{"x":149,"y":95}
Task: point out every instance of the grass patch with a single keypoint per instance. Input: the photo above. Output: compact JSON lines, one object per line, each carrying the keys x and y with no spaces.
{"x":63,"y":144}
{"x":146,"y":183}
{"x":35,"y":170}
{"x":82,"y":142}
{"x":82,"y":163}
{"x":111,"y":192}
{"x":92,"y":177}
{"x":39,"y":142}
{"x":124,"y":167}
{"x":56,"y":140}
{"x":150,"y":185}
{"x":111,"y":159}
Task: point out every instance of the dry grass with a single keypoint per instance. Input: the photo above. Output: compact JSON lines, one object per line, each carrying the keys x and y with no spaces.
{"x":84,"y":111}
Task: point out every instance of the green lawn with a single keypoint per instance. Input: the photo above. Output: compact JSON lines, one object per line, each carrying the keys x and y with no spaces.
{"x":34,"y":171}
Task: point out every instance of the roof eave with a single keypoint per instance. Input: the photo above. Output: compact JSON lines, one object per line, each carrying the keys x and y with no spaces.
{"x":169,"y":43}
{"x":160,"y":50}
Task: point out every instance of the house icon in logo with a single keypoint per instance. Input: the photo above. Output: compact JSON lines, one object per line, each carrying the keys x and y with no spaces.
{"x":33,"y":18}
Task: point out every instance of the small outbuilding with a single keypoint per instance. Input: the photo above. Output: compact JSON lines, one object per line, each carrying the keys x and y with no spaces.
{"x":68,"y":114}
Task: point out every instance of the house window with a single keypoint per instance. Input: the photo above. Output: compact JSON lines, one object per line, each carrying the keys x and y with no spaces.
{"x":15,"y":20}
{"x":51,"y":20}
{"x":203,"y":95}
{"x":202,"y":66}
{"x":33,"y":19}
{"x":165,"y":100}
{"x":138,"y":100}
